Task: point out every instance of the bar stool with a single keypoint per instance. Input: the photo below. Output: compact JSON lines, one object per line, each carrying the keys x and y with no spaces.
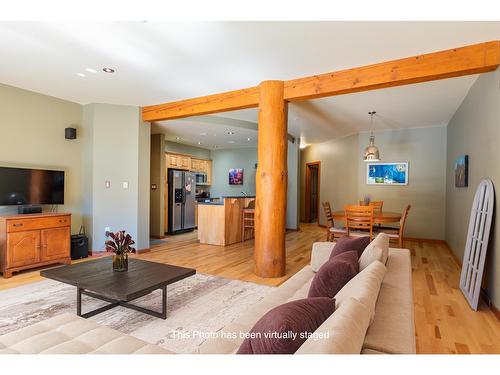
{"x":248,"y":222}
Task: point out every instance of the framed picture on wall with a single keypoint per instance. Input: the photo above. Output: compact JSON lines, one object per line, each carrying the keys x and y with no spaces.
{"x":387,"y":173}
{"x":236,"y":176}
{"x":462,"y":171}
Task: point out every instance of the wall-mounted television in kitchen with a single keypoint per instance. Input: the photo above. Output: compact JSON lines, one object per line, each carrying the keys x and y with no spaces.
{"x":22,"y":186}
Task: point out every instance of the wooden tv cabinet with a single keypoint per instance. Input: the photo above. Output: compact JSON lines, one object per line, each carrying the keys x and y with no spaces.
{"x":28,"y":241}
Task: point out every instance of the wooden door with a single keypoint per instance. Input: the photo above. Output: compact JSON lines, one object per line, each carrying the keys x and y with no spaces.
{"x":312,"y":193}
{"x":55,"y":243}
{"x":23,"y":248}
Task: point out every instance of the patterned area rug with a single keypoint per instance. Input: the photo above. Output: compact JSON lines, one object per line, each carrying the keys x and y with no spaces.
{"x":199,"y":303}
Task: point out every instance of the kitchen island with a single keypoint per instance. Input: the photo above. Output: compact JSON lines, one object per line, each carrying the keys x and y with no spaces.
{"x":219,"y":223}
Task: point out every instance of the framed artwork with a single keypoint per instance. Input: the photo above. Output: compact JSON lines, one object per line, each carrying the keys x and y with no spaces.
{"x":236,"y":176}
{"x":462,"y":171}
{"x":387,"y":173}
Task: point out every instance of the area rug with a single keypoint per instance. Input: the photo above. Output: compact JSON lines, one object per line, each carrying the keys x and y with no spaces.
{"x":200,"y":303}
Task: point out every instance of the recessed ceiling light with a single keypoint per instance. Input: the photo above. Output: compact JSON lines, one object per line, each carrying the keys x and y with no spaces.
{"x":80,"y":74}
{"x":90,"y":70}
{"x":249,"y":139}
{"x":108,"y":70}
{"x":178,"y":138}
{"x":230,"y":133}
{"x":199,"y":143}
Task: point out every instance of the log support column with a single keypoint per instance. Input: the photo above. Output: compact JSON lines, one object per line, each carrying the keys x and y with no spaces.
{"x":271,"y":181}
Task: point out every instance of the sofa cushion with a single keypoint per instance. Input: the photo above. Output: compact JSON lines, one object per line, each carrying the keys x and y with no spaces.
{"x":365,"y":287}
{"x":320,"y":254}
{"x":297,"y":317}
{"x":378,"y":249}
{"x":393,"y":330}
{"x":334,"y":274}
{"x":348,"y":244}
{"x":70,"y":334}
{"x":342,"y":333}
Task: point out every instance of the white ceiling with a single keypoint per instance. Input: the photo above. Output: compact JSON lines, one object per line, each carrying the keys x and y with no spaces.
{"x":160,"y":62}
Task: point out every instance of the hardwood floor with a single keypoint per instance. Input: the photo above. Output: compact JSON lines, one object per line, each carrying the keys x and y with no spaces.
{"x":444,"y":322}
{"x":234,"y":261}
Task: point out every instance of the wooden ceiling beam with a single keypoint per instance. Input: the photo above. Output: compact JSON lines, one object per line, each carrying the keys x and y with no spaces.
{"x":204,"y":105}
{"x":473,"y":59}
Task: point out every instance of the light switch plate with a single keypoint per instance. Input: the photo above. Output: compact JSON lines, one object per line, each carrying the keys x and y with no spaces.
{"x":125,"y":184}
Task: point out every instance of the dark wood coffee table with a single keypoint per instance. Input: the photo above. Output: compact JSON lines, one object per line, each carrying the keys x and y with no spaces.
{"x":97,"y":279}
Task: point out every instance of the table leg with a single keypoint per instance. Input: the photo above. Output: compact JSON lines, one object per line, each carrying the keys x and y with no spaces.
{"x":164,"y":303}
{"x":78,"y":301}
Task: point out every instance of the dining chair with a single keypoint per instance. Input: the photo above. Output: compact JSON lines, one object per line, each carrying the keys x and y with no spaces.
{"x":248,"y":221}
{"x":396,"y":234}
{"x":332,"y":231}
{"x":359,"y":220}
{"x":377,"y":205}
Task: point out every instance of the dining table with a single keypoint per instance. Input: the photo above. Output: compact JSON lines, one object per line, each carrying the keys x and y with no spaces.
{"x":379,"y":217}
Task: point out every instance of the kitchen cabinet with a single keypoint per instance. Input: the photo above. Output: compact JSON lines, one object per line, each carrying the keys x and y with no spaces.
{"x":188,"y":163}
{"x":209,"y":172}
{"x":178,"y":161}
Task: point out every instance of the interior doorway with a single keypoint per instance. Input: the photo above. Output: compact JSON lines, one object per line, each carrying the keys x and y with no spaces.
{"x":313,"y":172}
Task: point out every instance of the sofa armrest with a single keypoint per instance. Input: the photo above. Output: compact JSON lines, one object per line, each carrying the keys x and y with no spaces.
{"x":320,"y":254}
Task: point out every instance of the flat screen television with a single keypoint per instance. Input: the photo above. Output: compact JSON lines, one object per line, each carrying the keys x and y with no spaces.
{"x":22,"y":186}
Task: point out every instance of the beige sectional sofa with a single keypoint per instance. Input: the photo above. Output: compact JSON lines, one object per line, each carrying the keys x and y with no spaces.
{"x":70,"y":334}
{"x":374,"y":311}
{"x":374,"y":315}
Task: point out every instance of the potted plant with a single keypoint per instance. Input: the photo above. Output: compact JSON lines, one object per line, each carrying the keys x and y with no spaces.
{"x":120,"y":244}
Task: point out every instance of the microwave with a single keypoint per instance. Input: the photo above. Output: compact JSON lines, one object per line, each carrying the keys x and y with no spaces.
{"x":201,"y":178}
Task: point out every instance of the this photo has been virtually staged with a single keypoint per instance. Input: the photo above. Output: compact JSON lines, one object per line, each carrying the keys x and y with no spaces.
{"x":249,"y":188}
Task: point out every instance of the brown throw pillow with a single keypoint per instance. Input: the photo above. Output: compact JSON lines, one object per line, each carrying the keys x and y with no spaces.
{"x":348,"y":244}
{"x":285,"y":328}
{"x":334,"y":274}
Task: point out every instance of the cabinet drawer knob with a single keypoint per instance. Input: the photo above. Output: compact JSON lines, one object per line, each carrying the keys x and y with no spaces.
{"x":17,"y":225}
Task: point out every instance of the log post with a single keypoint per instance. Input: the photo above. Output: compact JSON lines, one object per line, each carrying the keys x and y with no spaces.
{"x":271,"y":181}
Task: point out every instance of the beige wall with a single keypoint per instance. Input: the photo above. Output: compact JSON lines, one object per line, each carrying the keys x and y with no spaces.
{"x":120,"y":153}
{"x":475,"y":131}
{"x":425,"y":151}
{"x":338,"y":174}
{"x":32,"y":136}
{"x":343,"y":175}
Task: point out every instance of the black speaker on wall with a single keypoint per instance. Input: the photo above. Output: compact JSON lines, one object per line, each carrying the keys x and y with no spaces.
{"x":70,"y":133}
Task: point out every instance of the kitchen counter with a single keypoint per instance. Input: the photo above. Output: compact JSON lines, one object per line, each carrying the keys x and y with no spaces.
{"x":220,"y":201}
{"x":219,"y":223}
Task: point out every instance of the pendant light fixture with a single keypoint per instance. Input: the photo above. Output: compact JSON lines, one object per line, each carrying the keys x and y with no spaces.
{"x":371,"y":151}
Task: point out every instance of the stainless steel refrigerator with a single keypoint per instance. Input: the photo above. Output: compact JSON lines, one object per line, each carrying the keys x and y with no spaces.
{"x":181,"y":201}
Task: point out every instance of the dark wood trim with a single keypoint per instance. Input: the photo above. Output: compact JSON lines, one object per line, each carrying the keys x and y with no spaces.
{"x":428,"y":240}
{"x":495,"y":311}
{"x":307,"y":199}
